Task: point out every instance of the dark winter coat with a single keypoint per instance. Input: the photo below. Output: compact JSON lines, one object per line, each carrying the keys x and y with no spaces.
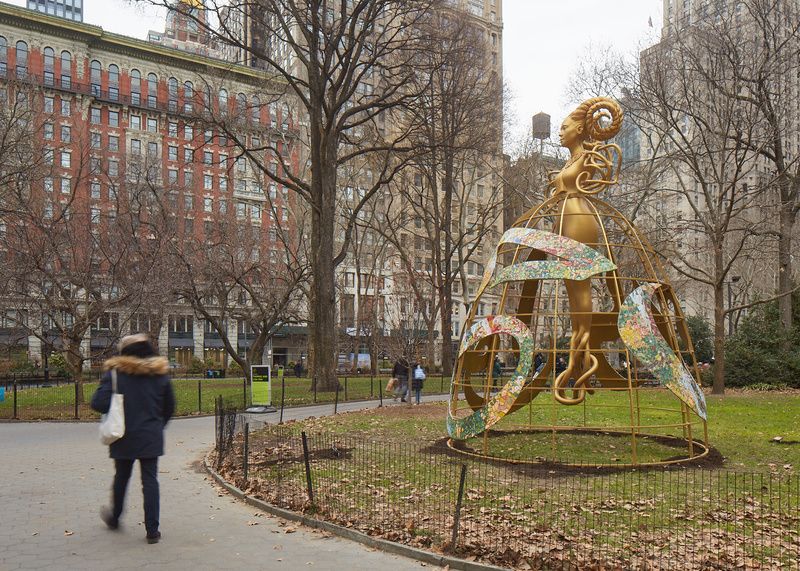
{"x":415,"y":383}
{"x":149,"y":404}
{"x":400,"y":371}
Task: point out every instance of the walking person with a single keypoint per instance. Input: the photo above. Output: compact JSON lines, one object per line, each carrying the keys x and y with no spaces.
{"x":418,"y":381}
{"x":400,"y":372}
{"x":149,"y":403}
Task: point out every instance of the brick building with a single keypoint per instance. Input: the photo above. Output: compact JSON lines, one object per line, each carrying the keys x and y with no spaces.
{"x":111,"y":111}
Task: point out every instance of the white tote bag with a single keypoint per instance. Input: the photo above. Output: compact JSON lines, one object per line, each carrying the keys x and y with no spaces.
{"x":112,"y":424}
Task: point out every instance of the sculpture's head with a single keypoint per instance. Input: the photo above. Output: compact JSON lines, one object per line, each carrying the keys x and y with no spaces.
{"x":596,"y":119}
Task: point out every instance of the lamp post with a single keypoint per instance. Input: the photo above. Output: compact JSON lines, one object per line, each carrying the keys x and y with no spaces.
{"x":734,"y":279}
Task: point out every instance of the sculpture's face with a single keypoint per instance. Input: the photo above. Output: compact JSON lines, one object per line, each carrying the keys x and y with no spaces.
{"x":571,"y":132}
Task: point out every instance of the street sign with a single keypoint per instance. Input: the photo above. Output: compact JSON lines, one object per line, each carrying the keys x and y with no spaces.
{"x":260,"y":385}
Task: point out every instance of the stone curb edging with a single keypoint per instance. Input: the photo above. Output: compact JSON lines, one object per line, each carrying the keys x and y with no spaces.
{"x":351,"y":534}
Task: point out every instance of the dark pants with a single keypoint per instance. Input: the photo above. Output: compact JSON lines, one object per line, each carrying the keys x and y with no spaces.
{"x":149,"y":468}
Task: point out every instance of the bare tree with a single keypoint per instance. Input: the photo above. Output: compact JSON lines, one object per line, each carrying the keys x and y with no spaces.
{"x":456,"y":124}
{"x":344,"y":66}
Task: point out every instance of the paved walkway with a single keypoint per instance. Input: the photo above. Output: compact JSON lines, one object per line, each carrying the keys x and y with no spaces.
{"x":55,"y":476}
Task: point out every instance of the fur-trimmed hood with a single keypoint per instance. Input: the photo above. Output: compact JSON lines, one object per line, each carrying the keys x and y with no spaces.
{"x":137,"y":366}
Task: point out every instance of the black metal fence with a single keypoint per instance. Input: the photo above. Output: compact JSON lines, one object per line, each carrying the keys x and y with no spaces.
{"x":61,"y":398}
{"x":519,"y":516}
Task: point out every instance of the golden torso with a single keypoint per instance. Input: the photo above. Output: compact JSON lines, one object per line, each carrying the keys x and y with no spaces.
{"x":577,"y":220}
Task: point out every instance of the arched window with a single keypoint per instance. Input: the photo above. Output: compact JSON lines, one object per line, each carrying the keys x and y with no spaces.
{"x":172,"y":93}
{"x":66,"y":69}
{"x":241,"y":105}
{"x":223,"y":101}
{"x":49,"y":57}
{"x":95,"y":74}
{"x":136,"y":87}
{"x":188,"y":97}
{"x":113,"y":82}
{"x":255,"y":112}
{"x":22,"y":59}
{"x":3,"y":56}
{"x":152,"y":90}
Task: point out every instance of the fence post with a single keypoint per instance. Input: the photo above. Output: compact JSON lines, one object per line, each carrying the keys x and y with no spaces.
{"x":441,"y":386}
{"x":283,"y":397}
{"x":246,"y":449}
{"x":199,"y":398}
{"x":345,"y":389}
{"x":457,"y":518}
{"x":216,"y":422}
{"x":336,"y":399}
{"x":314,"y":382}
{"x":380,"y":393}
{"x":244,"y":392}
{"x":371,"y":380}
{"x":309,"y":486}
{"x":14,"y":385}
{"x":77,"y":388}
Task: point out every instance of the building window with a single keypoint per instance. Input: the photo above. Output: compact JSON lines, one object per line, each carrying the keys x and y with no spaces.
{"x":66,"y":108}
{"x":49,"y":57}
{"x":49,"y":104}
{"x":223,"y":184}
{"x":3,"y":56}
{"x":188,"y":97}
{"x":94,"y":116}
{"x":188,"y":155}
{"x":95,"y":190}
{"x":136,"y":147}
{"x":172,"y":153}
{"x":208,"y":182}
{"x":152,"y":149}
{"x":223,"y":101}
{"x":48,"y":184}
{"x":96,"y":142}
{"x":113,"y":168}
{"x":152,"y":90}
{"x":22,"y":59}
{"x":172,"y":93}
{"x":66,"y":69}
{"x":136,"y":87}
{"x":136,"y":122}
{"x":208,"y":204}
{"x":94,"y":165}
{"x":187,"y":179}
{"x":113,"y":118}
{"x":48,"y":131}
{"x":113,"y":82}
{"x":95,"y":72}
{"x":188,"y":132}
{"x":49,"y":156}
{"x":223,"y":206}
{"x":66,"y":186}
{"x":66,"y":159}
{"x":66,"y":134}
{"x":173,"y":129}
{"x":152,"y":125}
{"x":188,"y":201}
{"x":172,"y":176}
{"x":208,"y":158}
{"x":113,"y":143}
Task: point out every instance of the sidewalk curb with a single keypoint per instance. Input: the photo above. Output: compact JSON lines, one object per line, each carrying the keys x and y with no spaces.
{"x":351,"y":534}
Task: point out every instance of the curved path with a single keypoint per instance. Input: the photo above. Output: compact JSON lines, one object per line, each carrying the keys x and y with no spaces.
{"x":55,"y":476}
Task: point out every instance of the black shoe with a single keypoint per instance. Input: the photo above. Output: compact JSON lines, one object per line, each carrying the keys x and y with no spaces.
{"x":108,"y":518}
{"x":402,"y":400}
{"x":153,"y":537}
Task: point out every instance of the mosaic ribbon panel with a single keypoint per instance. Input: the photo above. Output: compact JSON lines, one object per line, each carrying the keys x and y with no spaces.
{"x":501,"y":403}
{"x":641,"y":336}
{"x":577,"y":261}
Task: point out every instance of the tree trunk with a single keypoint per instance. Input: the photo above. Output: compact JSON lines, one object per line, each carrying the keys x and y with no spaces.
{"x":719,"y":326}
{"x":447,"y":283}
{"x":785,"y":282}
{"x":323,"y":217}
{"x":75,"y":365}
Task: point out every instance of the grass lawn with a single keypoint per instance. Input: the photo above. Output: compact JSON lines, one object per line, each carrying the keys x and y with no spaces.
{"x":387,"y":473}
{"x":193,"y":396}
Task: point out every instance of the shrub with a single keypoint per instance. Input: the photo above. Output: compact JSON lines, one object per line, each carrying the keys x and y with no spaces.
{"x":57,"y":364}
{"x":761,"y":352}
{"x":196,"y":366}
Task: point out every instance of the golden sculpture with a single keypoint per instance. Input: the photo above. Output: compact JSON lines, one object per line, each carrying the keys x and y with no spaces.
{"x":624,"y":326}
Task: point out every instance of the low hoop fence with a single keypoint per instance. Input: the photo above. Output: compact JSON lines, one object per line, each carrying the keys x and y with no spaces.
{"x":516,"y":516}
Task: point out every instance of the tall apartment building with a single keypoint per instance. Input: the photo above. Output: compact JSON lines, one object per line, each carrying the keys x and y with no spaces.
{"x":125,"y":105}
{"x":686,"y":23}
{"x":69,"y":9}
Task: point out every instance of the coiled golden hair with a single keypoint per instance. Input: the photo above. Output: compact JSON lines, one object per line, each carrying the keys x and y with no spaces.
{"x":593,"y":111}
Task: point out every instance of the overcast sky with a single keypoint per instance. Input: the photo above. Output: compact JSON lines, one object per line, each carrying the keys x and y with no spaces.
{"x":543,"y":40}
